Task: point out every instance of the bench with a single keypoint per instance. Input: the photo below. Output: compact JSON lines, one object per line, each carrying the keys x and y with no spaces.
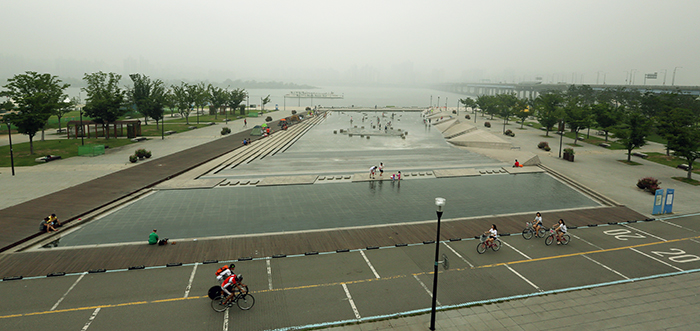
{"x":604,"y":145}
{"x":47,"y":158}
{"x":640,"y":154}
{"x":137,"y":139}
{"x":191,"y":127}
{"x":211,"y":123}
{"x":61,"y":131}
{"x":169,"y":132}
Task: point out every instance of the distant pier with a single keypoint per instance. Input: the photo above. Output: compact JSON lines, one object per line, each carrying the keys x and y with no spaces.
{"x":310,"y":95}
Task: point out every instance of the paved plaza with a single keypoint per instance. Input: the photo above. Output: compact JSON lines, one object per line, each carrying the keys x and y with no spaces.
{"x":622,"y":276}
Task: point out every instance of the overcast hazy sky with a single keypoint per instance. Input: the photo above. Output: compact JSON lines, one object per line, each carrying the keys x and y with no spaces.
{"x":314,"y":41}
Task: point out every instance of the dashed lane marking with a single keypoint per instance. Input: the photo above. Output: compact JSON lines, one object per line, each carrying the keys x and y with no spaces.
{"x":515,"y":249}
{"x":460,"y":256}
{"x":430,"y":293}
{"x":523,"y":278}
{"x":655,"y":259}
{"x":363,"y":280}
{"x":644,"y":232}
{"x":606,"y":267}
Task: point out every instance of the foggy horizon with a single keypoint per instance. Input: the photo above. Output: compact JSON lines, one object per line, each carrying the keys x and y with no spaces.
{"x":403,"y":43}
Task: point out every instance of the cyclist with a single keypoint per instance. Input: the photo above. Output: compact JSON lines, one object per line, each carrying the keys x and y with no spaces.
{"x":492,"y":233}
{"x":537,"y":223}
{"x":230,"y":285}
{"x":561,"y":230}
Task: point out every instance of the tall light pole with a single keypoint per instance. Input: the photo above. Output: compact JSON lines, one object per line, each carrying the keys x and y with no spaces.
{"x":9,"y":136}
{"x":664,"y":76}
{"x":439,"y":202}
{"x":438,"y":104}
{"x":673,"y":81}
{"x":633,"y":73}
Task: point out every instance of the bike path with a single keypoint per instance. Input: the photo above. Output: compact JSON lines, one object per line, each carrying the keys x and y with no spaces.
{"x":312,"y":289}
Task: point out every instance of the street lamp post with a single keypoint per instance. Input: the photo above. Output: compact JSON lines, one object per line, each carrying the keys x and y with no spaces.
{"x":12,"y":158}
{"x":673,"y":81}
{"x":439,"y":202}
{"x":82,"y":128}
{"x":561,"y":134}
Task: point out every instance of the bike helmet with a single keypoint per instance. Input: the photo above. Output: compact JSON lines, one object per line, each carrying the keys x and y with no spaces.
{"x":239,"y":278}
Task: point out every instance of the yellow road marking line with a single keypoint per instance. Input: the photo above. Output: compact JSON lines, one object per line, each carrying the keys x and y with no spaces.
{"x":359,"y":281}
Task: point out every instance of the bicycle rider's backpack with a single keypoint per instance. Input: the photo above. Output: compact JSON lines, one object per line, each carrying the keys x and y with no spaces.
{"x":218,"y":272}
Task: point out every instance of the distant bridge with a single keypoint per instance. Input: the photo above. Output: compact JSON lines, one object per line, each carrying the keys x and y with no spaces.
{"x":532,"y":90}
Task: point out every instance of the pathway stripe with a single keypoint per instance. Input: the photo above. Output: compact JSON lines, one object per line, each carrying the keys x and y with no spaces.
{"x":69,"y":289}
{"x":606,"y":267}
{"x":269,"y":274}
{"x":430,"y":293}
{"x":92,"y":318}
{"x":586,"y":241}
{"x":352,"y":303}
{"x":523,"y":278}
{"x":515,"y":249}
{"x":644,"y":232}
{"x":189,"y":284}
{"x":460,"y":256}
{"x":655,"y":259}
{"x":369,"y":264}
{"x":225,"y":326}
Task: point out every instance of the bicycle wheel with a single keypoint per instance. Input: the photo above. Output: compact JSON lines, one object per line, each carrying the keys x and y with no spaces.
{"x":565,"y":239}
{"x":549,"y":240}
{"x":245,"y":301}
{"x":542,"y":232}
{"x":527,"y":234}
{"x":481,"y":248}
{"x":218,"y":304}
{"x":496,"y":245}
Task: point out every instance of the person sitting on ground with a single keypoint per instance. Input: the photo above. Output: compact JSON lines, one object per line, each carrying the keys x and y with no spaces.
{"x":49,"y":226}
{"x":54,"y":221}
{"x":153,"y":239}
{"x":245,"y":141}
{"x":517,"y":164}
{"x":561,"y":230}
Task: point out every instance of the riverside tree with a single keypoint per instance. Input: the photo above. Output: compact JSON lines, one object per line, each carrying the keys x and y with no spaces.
{"x":104,"y":98}
{"x":548,"y":109}
{"x":182,"y":101}
{"x":36,"y":97}
{"x":148,"y":96}
{"x":684,"y":137}
{"x":632,"y":131}
{"x":235,"y":98}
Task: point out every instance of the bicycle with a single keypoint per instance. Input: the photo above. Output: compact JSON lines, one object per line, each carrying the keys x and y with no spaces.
{"x":243,"y":300}
{"x":495,"y":245}
{"x":565,"y":238}
{"x":530,"y":231}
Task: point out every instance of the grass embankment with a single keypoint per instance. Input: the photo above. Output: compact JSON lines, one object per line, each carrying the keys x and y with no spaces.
{"x":671,"y":161}
{"x":63,"y":147}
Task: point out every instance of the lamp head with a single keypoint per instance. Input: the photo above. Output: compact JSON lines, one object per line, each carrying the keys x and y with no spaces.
{"x":439,"y":202}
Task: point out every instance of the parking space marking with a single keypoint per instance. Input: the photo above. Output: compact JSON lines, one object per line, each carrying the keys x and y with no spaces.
{"x":644,"y":232}
{"x":352,"y":303}
{"x":515,"y":249}
{"x":430,"y":293}
{"x":458,"y":255}
{"x":606,"y":267}
{"x":655,"y":259}
{"x":189,"y":284}
{"x":92,"y":318}
{"x":369,"y":264}
{"x":69,"y":289}
{"x":676,"y":225}
{"x":523,"y":278}
{"x":225,"y":327}
{"x":586,"y":241}
{"x":269,"y":274}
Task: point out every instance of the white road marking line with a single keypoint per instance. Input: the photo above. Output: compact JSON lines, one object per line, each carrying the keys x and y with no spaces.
{"x":523,"y":278}
{"x":189,"y":284}
{"x":352,"y":303}
{"x":515,"y":249}
{"x":69,"y":289}
{"x":226,"y":320}
{"x":586,"y":241}
{"x":646,"y":233}
{"x":369,"y":264}
{"x":459,"y":256}
{"x":94,"y":314}
{"x":604,"y":266}
{"x":676,"y":225}
{"x":695,"y":241}
{"x":269,"y":275}
{"x":655,"y":259}
{"x":430,"y":293}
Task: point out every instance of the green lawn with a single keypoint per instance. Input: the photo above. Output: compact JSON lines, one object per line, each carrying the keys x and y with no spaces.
{"x":687,"y":181}
{"x":64,"y":147}
{"x":671,"y":161}
{"x":151,"y":130}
